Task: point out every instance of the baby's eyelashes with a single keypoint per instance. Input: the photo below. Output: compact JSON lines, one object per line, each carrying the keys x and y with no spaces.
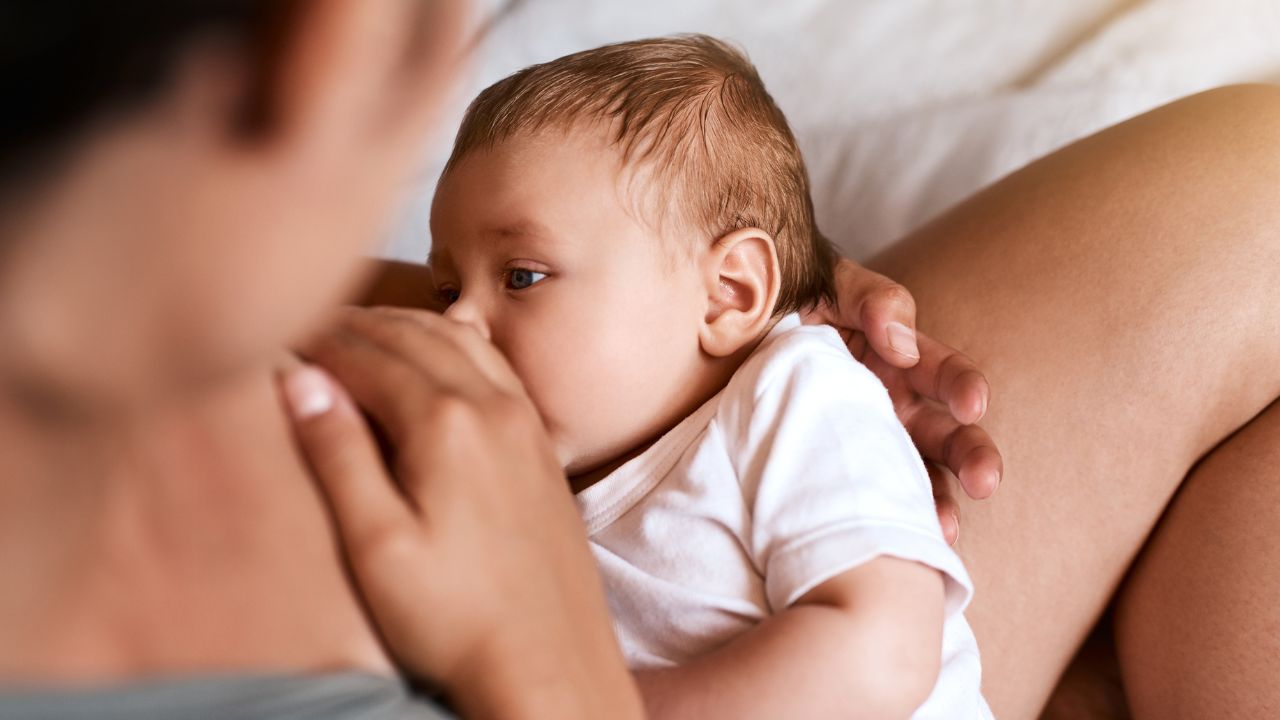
{"x":521,"y":278}
{"x":447,"y":295}
{"x":513,"y":278}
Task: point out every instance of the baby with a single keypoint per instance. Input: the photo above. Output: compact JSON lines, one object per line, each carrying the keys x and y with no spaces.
{"x":631,"y":226}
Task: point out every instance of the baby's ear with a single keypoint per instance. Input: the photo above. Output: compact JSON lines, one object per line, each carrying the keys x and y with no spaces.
{"x":742,"y":281}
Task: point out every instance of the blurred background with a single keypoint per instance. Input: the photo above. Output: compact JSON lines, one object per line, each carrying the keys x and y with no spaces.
{"x":903,"y":107}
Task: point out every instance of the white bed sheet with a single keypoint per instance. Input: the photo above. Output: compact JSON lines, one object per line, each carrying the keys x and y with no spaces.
{"x":903,"y":107}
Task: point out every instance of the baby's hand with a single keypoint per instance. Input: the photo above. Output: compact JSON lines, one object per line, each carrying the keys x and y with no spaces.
{"x":876,"y":317}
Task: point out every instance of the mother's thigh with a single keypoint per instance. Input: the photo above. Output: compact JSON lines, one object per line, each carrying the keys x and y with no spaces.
{"x":1121,"y":296}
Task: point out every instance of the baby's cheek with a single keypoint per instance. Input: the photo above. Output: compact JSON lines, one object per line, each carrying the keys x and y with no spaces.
{"x":548,"y":375}
{"x":597,"y":375}
{"x":575,"y":391}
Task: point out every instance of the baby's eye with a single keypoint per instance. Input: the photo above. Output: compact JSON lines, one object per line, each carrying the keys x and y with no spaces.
{"x":521,"y":278}
{"x":447,"y":295}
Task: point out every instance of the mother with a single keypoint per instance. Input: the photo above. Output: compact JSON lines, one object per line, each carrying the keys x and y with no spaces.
{"x":185,"y":186}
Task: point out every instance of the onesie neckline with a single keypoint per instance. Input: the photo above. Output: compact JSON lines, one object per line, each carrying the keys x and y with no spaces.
{"x":610,"y":498}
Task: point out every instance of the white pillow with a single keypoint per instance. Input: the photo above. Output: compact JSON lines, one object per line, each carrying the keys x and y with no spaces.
{"x":902,"y":108}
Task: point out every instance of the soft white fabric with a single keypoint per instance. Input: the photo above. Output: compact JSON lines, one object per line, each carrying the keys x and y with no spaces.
{"x":904,"y":107}
{"x":797,"y":471}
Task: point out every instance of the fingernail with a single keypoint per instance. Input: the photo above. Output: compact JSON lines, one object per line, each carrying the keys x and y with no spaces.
{"x":903,"y":340}
{"x":308,"y":392}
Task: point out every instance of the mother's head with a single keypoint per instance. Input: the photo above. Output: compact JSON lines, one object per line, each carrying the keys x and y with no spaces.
{"x":186,"y":185}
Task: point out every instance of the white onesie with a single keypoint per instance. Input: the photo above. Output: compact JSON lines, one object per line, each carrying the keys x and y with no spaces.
{"x":797,"y":471}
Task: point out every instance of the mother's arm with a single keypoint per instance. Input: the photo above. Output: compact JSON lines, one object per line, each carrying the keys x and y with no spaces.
{"x":1122,"y":294}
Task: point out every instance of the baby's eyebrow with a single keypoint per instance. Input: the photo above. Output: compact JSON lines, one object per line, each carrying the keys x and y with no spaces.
{"x":500,"y":236}
{"x":524,"y":228}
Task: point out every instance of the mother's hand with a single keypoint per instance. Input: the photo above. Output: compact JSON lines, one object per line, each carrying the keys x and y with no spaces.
{"x":466,"y":544}
{"x":938,"y":392}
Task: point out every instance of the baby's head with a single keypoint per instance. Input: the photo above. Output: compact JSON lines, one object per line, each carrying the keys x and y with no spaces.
{"x":625,"y":224}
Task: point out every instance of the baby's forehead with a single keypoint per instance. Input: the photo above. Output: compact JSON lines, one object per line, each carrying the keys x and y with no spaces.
{"x":544,"y":172}
{"x":545,"y":160}
{"x":495,"y":234}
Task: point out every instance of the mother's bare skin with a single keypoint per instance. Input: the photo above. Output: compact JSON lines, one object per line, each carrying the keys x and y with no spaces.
{"x":1121,"y":296}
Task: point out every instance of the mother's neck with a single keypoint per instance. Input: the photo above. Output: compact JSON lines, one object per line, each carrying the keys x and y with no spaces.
{"x":181,"y":539}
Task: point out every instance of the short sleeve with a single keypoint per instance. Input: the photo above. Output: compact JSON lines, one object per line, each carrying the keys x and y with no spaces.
{"x":830,"y":475}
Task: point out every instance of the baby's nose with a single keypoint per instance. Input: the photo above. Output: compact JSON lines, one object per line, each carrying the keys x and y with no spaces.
{"x":468,"y":314}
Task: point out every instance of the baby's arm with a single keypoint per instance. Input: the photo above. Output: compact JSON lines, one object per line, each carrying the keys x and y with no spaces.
{"x":864,"y":644}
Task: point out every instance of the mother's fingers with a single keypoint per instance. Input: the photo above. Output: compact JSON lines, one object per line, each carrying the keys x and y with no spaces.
{"x":948,"y":511}
{"x":431,"y":345}
{"x":879,"y":307}
{"x":966,"y":450}
{"x":344,"y":459}
{"x":398,"y":363}
{"x":950,"y":377}
{"x":381,"y":382}
{"x":478,"y":351}
{"x":885,"y":313}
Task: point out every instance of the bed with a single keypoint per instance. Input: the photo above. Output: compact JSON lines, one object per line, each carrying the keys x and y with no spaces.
{"x":903,"y":107}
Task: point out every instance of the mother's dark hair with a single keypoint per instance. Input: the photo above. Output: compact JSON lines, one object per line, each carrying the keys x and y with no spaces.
{"x":66,"y":65}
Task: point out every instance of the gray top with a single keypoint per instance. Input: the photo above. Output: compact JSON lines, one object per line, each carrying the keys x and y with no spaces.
{"x":337,"y":696}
